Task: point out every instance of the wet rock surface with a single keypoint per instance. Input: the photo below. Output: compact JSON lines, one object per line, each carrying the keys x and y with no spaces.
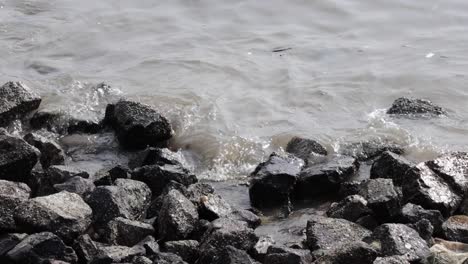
{"x":51,"y":152}
{"x":456,"y":228}
{"x":368,"y":150}
{"x":16,"y":100}
{"x":410,"y":106}
{"x":392,"y":166}
{"x":304,"y":148}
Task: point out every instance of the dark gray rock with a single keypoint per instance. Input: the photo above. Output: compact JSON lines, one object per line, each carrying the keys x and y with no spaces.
{"x":80,"y":126}
{"x":196,"y":191}
{"x":453,"y":168}
{"x":51,"y":152}
{"x":150,"y":245}
{"x":305,"y":148}
{"x":12,"y":195}
{"x":368,"y":150}
{"x":118,"y":172}
{"x":225,"y":232}
{"x":273,"y":181}
{"x":350,"y":208}
{"x":40,"y":247}
{"x":412,"y":213}
{"x":157,"y":177}
{"x":325,"y":178}
{"x":154,"y":156}
{"x":392,"y":166}
{"x":391,"y":260}
{"x":116,"y":254}
{"x":424,"y":187}
{"x":77,"y":184}
{"x":156,"y":204}
{"x":128,"y":199}
{"x":63,"y":123}
{"x":63,"y":173}
{"x":186,"y":249}
{"x":17,"y":158}
{"x":64,"y":213}
{"x":463,"y":209}
{"x":137,"y":125}
{"x":16,"y":100}
{"x":381,"y":198}
{"x":124,"y":232}
{"x":349,"y":188}
{"x":407,"y":106}
{"x":399,"y":239}
{"x":424,"y":229}
{"x":168,"y":258}
{"x":232,"y":255}
{"x":368,"y":221}
{"x":328,"y":233}
{"x":85,"y":248}
{"x":213,"y":206}
{"x":177,"y":217}
{"x":252,"y":220}
{"x":456,"y":228}
{"x":356,"y":252}
{"x":7,"y":242}
{"x":285,"y":255}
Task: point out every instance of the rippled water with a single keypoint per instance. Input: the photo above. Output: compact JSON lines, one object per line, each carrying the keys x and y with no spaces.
{"x":210,"y":67}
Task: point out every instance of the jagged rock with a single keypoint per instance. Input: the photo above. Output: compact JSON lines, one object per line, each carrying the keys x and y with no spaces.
{"x":328,"y":233}
{"x":157,"y":177}
{"x":156,"y":204}
{"x":232,"y":255}
{"x":424,"y":187}
{"x":213,"y":206}
{"x":304,"y":148}
{"x":42,"y":183}
{"x":51,"y":152}
{"x":168,"y":258}
{"x":369,"y":150}
{"x":39,"y":247}
{"x":7,"y":242}
{"x":392,"y":166}
{"x":85,"y":248}
{"x":16,"y":100}
{"x":391,"y":260}
{"x":456,"y":228}
{"x":62,"y":123}
{"x":124,"y":232}
{"x":154,"y":156}
{"x":349,"y":188}
{"x":325,"y":178}
{"x":127,"y":198}
{"x":453,"y":168}
{"x":399,"y":239}
{"x":424,"y":229}
{"x":77,"y":184}
{"x":118,"y":172}
{"x":381,"y":197}
{"x":64,"y":214}
{"x":356,"y":252}
{"x":137,"y":125}
{"x":186,"y":249}
{"x":17,"y":158}
{"x":406,"y":106}
{"x":225,"y":232}
{"x":351,"y":208}
{"x":252,"y":220}
{"x":273,"y":181}
{"x":285,"y":255}
{"x":177,"y":217}
{"x":12,"y":195}
{"x":412,"y":213}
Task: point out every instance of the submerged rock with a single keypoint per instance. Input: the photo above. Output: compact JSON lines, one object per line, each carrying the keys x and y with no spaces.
{"x":273,"y":181}
{"x":325,"y":178}
{"x":399,"y":239}
{"x":128,"y":199}
{"x":64,"y":214}
{"x":328,"y":233}
{"x":17,"y":158}
{"x":368,"y":150}
{"x":186,"y":249}
{"x":406,"y":106}
{"x":125,"y":232}
{"x":137,"y":125}
{"x":350,"y":208}
{"x":40,"y":247}
{"x":305,"y":148}
{"x":456,"y":228}
{"x":16,"y":100}
{"x":392,"y":166}
{"x":51,"y":152}
{"x":381,"y":197}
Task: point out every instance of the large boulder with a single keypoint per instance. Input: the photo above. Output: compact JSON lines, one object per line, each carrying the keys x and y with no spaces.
{"x":331,"y":233}
{"x":16,"y":100}
{"x":64,"y":213}
{"x":273,"y":181}
{"x":424,"y":187}
{"x":157,"y":177}
{"x":325,"y":178}
{"x":125,"y":232}
{"x":392,"y":166}
{"x":456,"y":228}
{"x":12,"y":195}
{"x":453,"y":168}
{"x":399,"y":239}
{"x":407,"y":106}
{"x":17,"y":158}
{"x":137,"y":125}
{"x":412,"y":213}
{"x":304,"y":148}
{"x":127,"y":198}
{"x":51,"y":152}
{"x":225,"y":232}
{"x":381,"y":197}
{"x":177,"y":217}
{"x":350,"y":208}
{"x":40,"y":247}
{"x":186,"y":249}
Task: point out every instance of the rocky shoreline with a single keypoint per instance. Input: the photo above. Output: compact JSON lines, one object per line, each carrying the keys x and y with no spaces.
{"x":154,"y":210}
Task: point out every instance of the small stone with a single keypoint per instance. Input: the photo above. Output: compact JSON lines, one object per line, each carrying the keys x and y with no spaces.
{"x":16,"y":100}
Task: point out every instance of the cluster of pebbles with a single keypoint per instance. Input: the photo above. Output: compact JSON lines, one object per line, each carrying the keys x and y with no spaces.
{"x":154,"y":210}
